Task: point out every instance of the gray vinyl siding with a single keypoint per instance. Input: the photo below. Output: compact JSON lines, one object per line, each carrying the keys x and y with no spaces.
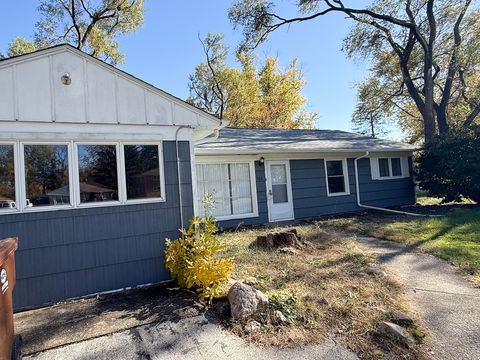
{"x":385,"y":193}
{"x":309,"y":191}
{"x":262,"y":217}
{"x":71,"y":253}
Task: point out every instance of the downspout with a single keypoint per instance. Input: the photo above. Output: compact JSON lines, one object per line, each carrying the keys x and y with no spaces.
{"x":180,"y":195}
{"x":357,"y":186}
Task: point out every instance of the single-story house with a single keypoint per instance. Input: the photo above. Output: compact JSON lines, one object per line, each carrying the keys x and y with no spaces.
{"x":95,"y":173}
{"x":258,"y":176}
{"x":98,"y":168}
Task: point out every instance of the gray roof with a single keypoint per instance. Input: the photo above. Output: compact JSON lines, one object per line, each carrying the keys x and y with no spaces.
{"x":254,"y":141}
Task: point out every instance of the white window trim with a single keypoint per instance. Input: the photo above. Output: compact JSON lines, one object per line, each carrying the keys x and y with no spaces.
{"x":161,"y":170}
{"x":74,"y":182}
{"x":16,"y":166}
{"x":23,"y":179}
{"x":253,"y":185}
{"x":345,"y":176}
{"x":375,"y":167}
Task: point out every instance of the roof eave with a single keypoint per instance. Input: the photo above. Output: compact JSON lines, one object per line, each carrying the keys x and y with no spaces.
{"x":200,"y":151}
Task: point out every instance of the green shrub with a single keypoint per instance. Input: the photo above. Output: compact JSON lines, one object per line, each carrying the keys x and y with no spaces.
{"x":284,"y":301}
{"x":193,"y":262}
{"x":449,"y":167}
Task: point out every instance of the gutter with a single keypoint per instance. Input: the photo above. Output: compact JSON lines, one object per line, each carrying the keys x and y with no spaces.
{"x":180,"y":194}
{"x":357,"y":186}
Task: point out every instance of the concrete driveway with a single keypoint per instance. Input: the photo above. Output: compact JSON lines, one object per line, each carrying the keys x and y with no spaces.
{"x":192,"y":338}
{"x":448,"y":303}
{"x":157,"y":322}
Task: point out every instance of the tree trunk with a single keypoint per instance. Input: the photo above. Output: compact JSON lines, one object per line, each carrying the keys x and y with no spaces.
{"x":442,"y":120}
{"x":429,"y":125}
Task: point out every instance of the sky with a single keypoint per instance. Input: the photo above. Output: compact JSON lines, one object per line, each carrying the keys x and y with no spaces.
{"x":166,"y":49}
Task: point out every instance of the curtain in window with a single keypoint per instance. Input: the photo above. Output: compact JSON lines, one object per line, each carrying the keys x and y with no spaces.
{"x":228,"y":184}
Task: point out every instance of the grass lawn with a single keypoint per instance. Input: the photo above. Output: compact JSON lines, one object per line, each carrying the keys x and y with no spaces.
{"x":323,"y":291}
{"x":454,"y":237}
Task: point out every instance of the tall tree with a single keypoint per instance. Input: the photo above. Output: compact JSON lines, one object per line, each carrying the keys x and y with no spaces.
{"x":252,"y":95}
{"x":371,"y":115}
{"x":92,"y":26}
{"x":426,"y":44}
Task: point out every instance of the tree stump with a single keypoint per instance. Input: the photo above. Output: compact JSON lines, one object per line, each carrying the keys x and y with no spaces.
{"x":273,"y":240}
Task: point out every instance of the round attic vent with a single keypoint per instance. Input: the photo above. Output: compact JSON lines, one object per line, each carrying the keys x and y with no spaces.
{"x":66,"y":79}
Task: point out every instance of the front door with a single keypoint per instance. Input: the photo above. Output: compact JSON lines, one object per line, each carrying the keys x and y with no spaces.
{"x":279,"y":190}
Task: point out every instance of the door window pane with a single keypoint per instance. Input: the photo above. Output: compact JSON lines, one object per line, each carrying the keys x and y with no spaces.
{"x":97,"y":166}
{"x":280,"y":194}
{"x":46,"y":175}
{"x":142,"y":171}
{"x":396,"y":167}
{"x":278,"y":174}
{"x":7,"y":177}
{"x":383,"y":167}
{"x":336,"y":181}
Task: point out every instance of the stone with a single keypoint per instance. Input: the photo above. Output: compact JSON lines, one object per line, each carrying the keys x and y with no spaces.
{"x":246,"y":301}
{"x":222,"y":308}
{"x":402,"y":319}
{"x":375,"y":271}
{"x":395,"y":332}
{"x":288,"y":251}
{"x":278,"y":318}
{"x":251,"y":280}
{"x":252,"y":327}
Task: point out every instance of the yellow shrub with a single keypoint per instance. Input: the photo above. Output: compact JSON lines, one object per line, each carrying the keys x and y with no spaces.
{"x":192,"y":259}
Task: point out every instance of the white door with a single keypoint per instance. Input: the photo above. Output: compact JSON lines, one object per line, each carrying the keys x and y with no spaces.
{"x":279,"y":190}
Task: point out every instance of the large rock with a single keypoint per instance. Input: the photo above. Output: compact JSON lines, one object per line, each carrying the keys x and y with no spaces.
{"x":395,"y":332}
{"x":402,"y":319}
{"x":245,"y":301}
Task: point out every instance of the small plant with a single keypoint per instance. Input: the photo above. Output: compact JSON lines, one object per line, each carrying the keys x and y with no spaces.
{"x":192,"y":260}
{"x":284,"y":301}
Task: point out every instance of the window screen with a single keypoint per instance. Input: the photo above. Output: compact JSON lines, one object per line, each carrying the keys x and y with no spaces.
{"x":383,"y":167}
{"x":229,"y":185}
{"x":396,"y":167}
{"x":335,"y":177}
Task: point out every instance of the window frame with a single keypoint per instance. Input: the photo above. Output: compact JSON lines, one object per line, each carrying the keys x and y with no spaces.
{"x":161,"y":170}
{"x":78,"y":200}
{"x":23,"y":181}
{"x":16,"y":167}
{"x":345,"y":176}
{"x":375,"y":167}
{"x":253,"y":185}
{"x":73,"y":173}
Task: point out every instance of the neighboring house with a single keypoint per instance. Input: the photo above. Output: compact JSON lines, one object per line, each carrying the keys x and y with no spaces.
{"x":258,"y":176}
{"x":97,"y":220}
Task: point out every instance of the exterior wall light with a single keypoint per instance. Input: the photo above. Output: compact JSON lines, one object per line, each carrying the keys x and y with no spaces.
{"x":262,"y":160}
{"x":66,"y":79}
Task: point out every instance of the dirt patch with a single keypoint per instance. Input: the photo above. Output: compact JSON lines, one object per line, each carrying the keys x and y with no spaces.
{"x":324,"y":291}
{"x":75,"y":321}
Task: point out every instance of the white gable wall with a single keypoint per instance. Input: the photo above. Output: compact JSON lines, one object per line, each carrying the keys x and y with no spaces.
{"x":32,"y":91}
